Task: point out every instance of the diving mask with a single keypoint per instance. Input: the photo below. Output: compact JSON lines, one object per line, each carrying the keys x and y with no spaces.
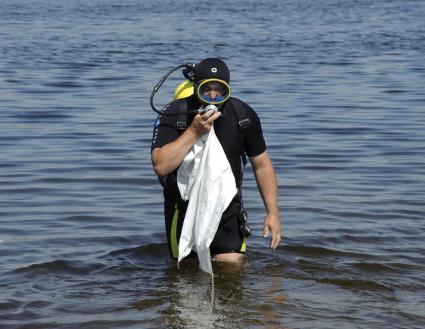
{"x":213,"y":91}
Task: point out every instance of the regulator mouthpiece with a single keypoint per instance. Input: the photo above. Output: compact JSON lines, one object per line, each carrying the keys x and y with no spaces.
{"x":210,"y":107}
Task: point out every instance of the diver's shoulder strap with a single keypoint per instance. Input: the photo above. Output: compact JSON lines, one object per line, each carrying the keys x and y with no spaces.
{"x":242,"y":114}
{"x":182,"y":117}
{"x":244,"y":121}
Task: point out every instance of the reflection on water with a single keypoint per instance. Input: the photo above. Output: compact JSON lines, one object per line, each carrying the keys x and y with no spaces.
{"x":187,"y":297}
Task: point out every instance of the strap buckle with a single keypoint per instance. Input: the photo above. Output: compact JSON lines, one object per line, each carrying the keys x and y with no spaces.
{"x":245,"y":124}
{"x":181,"y":125}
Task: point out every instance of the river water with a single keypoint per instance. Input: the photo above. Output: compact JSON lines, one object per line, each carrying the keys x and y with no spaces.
{"x":339,"y":88}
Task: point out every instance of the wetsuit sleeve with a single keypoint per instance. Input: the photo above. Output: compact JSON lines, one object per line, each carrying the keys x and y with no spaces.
{"x":165,"y":128}
{"x":254,"y":139}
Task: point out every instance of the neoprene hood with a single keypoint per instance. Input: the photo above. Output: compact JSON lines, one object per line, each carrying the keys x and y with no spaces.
{"x":212,"y":68}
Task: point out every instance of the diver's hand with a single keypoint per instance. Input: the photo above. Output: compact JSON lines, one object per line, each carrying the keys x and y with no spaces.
{"x":272,"y":223}
{"x":202,"y":123}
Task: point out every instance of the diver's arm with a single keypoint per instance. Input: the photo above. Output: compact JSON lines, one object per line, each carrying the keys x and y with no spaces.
{"x":267,"y":184}
{"x":167,"y":158}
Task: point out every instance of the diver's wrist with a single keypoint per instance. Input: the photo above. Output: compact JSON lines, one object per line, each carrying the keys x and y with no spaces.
{"x":193,"y":133}
{"x":273,"y":212}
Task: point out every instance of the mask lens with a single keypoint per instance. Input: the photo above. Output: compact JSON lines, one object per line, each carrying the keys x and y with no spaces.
{"x":213,"y":91}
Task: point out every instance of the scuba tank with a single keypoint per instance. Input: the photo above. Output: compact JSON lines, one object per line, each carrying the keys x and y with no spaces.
{"x":183,"y":90}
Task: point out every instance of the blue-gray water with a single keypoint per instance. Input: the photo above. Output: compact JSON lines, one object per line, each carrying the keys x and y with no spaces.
{"x":339,"y":87}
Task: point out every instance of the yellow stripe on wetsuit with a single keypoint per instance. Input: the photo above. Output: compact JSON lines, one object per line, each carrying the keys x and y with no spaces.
{"x":173,"y":233}
{"x":243,"y":247}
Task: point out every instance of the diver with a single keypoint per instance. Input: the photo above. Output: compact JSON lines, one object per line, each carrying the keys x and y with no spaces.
{"x":202,"y":102}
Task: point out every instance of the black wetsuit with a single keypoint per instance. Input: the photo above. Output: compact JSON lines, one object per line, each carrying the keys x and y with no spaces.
{"x":228,"y":237}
